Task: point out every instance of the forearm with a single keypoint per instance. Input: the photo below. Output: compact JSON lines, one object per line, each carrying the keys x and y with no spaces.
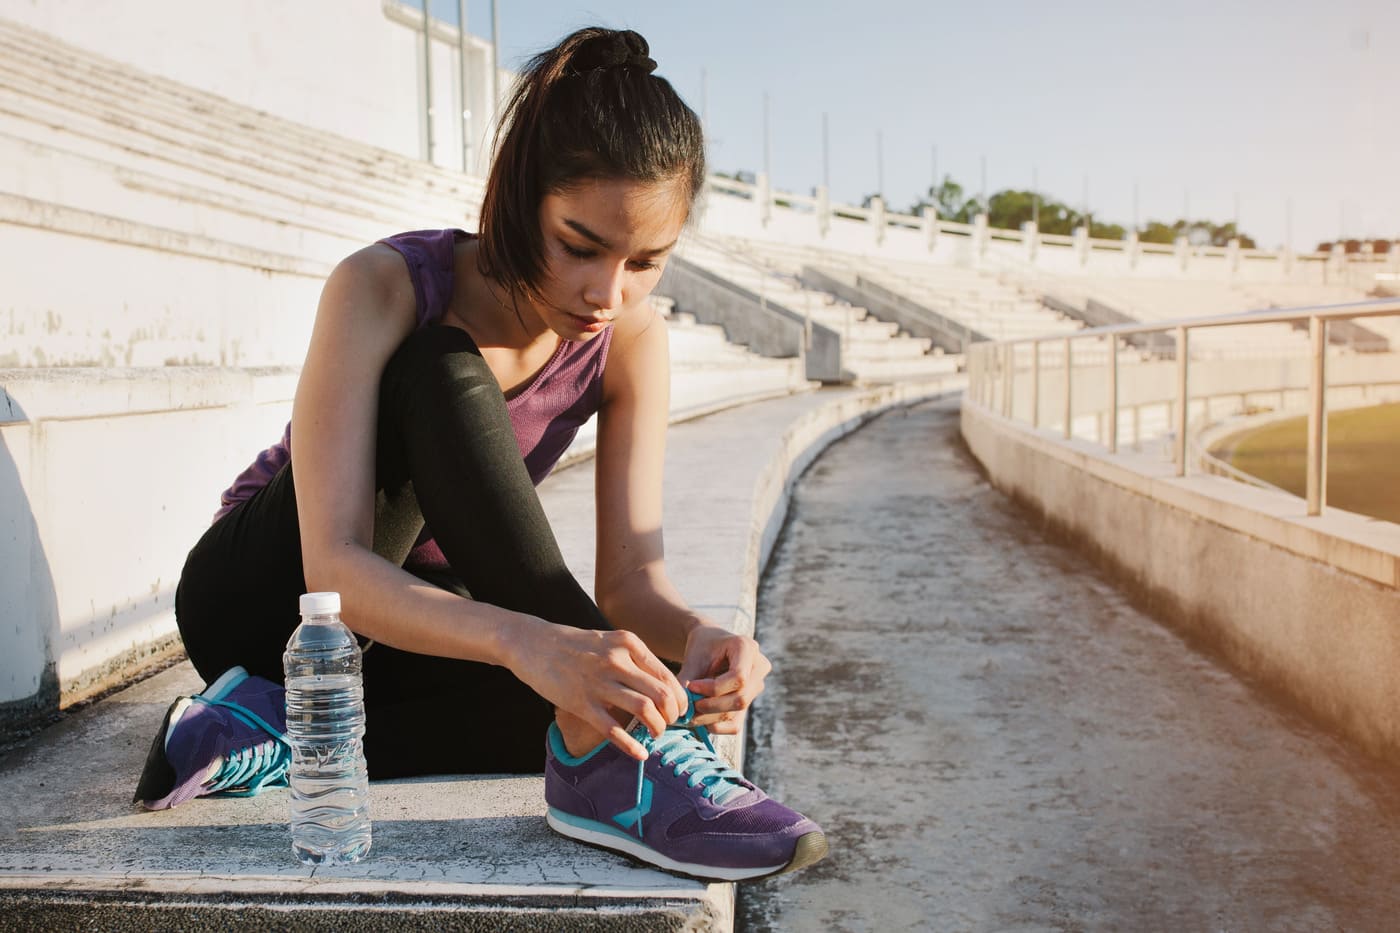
{"x":390,"y":605}
{"x":647,"y":603}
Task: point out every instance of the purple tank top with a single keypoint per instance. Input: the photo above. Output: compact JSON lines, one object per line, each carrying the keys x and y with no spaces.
{"x":546,"y":413}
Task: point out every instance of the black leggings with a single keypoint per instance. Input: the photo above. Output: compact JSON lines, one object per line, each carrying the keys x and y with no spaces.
{"x":446,"y":454}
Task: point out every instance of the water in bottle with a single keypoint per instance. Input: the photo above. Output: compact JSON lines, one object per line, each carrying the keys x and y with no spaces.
{"x":326,"y":727}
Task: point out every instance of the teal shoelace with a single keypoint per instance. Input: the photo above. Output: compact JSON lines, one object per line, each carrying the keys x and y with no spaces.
{"x":686,"y":749}
{"x":247,"y":771}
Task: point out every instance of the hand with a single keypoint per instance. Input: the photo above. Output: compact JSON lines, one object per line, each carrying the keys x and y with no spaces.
{"x":728,"y":671}
{"x":593,"y":674}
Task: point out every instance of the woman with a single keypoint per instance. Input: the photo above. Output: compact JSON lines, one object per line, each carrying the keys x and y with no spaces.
{"x":446,"y":375}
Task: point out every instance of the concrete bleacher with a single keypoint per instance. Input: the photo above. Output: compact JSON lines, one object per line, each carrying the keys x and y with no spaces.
{"x":173,"y":244}
{"x":871,"y":350}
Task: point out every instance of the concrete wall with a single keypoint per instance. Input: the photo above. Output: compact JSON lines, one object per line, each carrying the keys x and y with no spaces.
{"x":1306,"y":606}
{"x":107,"y":478}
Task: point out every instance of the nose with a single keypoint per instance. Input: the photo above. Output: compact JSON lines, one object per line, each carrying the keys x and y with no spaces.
{"x":604,"y":288}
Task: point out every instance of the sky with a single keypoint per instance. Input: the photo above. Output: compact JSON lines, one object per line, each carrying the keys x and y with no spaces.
{"x":1287,"y":112}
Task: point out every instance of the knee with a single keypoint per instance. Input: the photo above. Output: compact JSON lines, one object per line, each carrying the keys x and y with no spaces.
{"x":435,"y":360}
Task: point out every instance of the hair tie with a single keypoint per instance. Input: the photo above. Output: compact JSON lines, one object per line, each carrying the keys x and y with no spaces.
{"x":623,"y":49}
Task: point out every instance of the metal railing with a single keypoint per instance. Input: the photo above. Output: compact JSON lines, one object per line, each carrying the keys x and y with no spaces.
{"x":990,"y":362}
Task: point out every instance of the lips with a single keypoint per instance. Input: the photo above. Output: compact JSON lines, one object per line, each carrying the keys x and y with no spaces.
{"x":590,"y":324}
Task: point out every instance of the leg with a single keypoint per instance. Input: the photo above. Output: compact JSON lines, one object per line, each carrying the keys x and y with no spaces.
{"x":446,"y":442}
{"x":446,"y":450}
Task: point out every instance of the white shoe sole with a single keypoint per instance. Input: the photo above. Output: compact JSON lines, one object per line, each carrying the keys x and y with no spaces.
{"x":810,"y":848}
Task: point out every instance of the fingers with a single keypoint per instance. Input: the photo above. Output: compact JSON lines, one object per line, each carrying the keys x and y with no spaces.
{"x":619,"y":737}
{"x":637,"y":669}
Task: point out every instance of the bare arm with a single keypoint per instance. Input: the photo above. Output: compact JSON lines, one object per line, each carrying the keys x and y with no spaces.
{"x":366,"y":310}
{"x":631,"y":583}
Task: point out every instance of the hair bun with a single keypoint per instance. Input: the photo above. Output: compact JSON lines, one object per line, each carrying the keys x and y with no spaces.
{"x":615,"y":49}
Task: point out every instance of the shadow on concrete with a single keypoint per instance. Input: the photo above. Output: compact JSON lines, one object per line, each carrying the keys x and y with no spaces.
{"x":29,"y":694}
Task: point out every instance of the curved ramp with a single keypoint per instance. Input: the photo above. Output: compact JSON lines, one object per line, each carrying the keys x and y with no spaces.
{"x":995,"y":738}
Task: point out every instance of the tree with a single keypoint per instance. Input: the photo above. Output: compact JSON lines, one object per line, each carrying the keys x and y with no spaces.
{"x":1158,"y":232}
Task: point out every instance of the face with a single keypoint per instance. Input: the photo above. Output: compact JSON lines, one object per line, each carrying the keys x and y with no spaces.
{"x":605,"y":245}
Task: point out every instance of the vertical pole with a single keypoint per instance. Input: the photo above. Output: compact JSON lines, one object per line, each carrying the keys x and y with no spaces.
{"x":1113,"y":393}
{"x":1317,"y":417}
{"x":428,"y":78}
{"x":1010,"y":381}
{"x":1069,"y":389}
{"x":767,"y":148}
{"x":1035,"y":197}
{"x":462,"y":85}
{"x":1183,"y":401}
{"x":495,"y":60}
{"x":1035,"y":384}
{"x":705,"y":100}
{"x":880,"y":163}
{"x":983,"y":196}
{"x":826,"y":153}
{"x":934,"y":187}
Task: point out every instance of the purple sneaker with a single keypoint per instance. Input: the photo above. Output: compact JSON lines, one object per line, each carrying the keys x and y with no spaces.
{"x":683,"y":809}
{"x":230,"y":739}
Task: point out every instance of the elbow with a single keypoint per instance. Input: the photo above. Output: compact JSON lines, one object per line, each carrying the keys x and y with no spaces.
{"x":328,"y":568}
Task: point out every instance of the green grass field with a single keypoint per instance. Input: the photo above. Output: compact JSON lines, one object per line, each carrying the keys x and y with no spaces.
{"x":1363,"y":458}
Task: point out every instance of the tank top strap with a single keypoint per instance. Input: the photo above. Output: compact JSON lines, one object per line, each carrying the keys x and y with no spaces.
{"x":430,"y":258}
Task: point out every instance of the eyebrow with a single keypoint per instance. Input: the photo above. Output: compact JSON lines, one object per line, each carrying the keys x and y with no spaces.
{"x":587,"y":234}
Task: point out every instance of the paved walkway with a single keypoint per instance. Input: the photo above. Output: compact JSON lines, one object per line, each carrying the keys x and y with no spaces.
{"x":995,"y":739}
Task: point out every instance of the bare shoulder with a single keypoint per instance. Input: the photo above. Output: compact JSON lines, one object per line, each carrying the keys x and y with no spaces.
{"x":640,"y":351}
{"x":368,"y":298}
{"x":378,"y":269}
{"x":643,"y":331}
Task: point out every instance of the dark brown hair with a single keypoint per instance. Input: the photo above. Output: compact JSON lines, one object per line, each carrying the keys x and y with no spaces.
{"x":589,"y":108}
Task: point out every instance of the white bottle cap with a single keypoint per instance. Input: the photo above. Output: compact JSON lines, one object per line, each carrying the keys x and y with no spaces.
{"x":319,"y":603}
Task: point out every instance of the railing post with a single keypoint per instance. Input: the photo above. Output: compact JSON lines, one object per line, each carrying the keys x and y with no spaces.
{"x":1317,"y":417}
{"x":930,"y":226}
{"x":1069,"y":390}
{"x":1113,"y":393}
{"x":1035,"y":384}
{"x":1010,"y":390}
{"x":427,"y":83}
{"x":1183,"y":400}
{"x":464,"y":114}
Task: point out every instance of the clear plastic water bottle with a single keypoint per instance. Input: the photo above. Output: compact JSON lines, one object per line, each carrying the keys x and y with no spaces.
{"x":326,"y":728}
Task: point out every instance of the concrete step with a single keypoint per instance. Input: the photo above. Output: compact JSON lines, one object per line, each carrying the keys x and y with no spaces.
{"x":61,"y":177}
{"x":88,"y":83}
{"x":160,"y":94}
{"x":219,"y":152}
{"x":163,"y":296}
{"x":867,"y":328}
{"x":903,"y":370}
{"x":449,"y":853}
{"x":891,"y":348}
{"x":122,"y":143}
{"x":705,"y":341}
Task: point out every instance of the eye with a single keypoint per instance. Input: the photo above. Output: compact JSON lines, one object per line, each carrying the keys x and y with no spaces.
{"x":576,"y":252}
{"x":642,"y":265}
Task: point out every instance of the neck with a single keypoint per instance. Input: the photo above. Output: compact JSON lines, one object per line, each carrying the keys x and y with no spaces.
{"x":497,"y":317}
